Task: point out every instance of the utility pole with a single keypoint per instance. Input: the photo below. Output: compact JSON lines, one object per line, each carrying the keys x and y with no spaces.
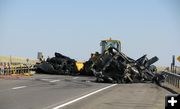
{"x":173,"y":69}
{"x":10,"y":59}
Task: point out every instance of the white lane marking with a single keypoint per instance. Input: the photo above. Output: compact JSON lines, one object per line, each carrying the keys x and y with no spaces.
{"x":20,"y":87}
{"x":54,"y":81}
{"x":75,"y":77}
{"x":50,"y":80}
{"x":46,"y":79}
{"x":80,"y":98}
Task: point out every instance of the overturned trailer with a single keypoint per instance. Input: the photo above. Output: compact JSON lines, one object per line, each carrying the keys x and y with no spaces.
{"x":115,"y":67}
{"x":59,"y":64}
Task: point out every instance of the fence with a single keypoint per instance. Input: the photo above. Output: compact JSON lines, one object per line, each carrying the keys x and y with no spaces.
{"x":16,"y":70}
{"x":173,"y":79}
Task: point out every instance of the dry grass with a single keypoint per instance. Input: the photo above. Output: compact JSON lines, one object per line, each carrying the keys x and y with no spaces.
{"x":15,"y":59}
{"x":161,"y":68}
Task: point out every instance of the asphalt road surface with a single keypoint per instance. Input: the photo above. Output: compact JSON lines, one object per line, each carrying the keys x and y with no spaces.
{"x":76,"y":92}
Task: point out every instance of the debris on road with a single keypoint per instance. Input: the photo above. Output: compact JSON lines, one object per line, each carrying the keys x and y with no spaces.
{"x":115,"y":67}
{"x":59,"y":64}
{"x":111,"y":65}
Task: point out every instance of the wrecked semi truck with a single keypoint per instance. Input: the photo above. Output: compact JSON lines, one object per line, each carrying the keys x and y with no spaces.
{"x":115,"y":67}
{"x":111,"y":65}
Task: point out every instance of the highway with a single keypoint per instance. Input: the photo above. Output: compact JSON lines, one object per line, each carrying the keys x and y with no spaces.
{"x":77,"y":92}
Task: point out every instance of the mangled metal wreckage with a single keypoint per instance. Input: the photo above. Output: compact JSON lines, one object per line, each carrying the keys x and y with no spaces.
{"x":111,"y":66}
{"x":60,"y":64}
{"x":115,"y":67}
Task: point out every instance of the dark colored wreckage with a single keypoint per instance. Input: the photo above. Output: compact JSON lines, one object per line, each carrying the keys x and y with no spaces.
{"x":111,"y":66}
{"x":59,"y":65}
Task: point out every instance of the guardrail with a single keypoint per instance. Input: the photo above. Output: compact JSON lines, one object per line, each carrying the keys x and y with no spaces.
{"x":172,"y":78}
{"x":18,"y":70}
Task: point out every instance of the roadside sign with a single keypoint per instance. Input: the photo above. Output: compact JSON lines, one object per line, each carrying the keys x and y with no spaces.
{"x":178,"y":58}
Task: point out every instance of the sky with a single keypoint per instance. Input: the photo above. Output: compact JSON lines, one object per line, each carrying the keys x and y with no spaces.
{"x":76,"y":27}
